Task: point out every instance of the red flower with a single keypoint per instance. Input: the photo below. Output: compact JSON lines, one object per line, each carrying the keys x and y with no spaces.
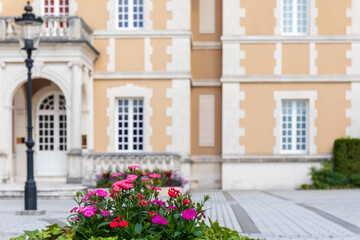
{"x":114,"y":224}
{"x":117,"y":219}
{"x":123,"y":224}
{"x":151,"y":213}
{"x":172,"y":194}
{"x":142,"y":203}
{"x":186,"y":201}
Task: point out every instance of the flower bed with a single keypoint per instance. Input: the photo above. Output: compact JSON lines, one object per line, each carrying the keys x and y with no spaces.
{"x":167,"y":178}
{"x":132,"y":210}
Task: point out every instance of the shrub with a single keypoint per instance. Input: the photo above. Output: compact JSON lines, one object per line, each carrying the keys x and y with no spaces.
{"x":347,"y":156}
{"x":133,"y":211}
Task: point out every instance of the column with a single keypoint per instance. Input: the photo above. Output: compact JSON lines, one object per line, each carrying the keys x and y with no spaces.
{"x":74,"y":121}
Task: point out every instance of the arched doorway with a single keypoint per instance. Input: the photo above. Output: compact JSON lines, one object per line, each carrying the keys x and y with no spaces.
{"x":51,"y":135}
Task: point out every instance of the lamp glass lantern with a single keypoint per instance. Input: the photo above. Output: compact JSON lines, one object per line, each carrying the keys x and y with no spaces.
{"x":28,"y":29}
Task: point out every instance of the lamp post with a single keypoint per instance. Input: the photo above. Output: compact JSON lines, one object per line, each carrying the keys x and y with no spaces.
{"x":28,"y":29}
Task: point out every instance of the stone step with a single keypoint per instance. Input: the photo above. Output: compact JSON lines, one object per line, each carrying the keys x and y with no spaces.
{"x":44,"y":191}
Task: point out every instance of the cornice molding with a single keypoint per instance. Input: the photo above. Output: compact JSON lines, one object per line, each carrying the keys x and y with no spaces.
{"x":140,"y":33}
{"x":141,"y":75}
{"x":292,"y":78}
{"x":289,"y":39}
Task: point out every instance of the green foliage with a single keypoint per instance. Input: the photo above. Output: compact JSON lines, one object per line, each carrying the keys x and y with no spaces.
{"x":51,"y":232}
{"x":347,"y":156}
{"x":326,"y":178}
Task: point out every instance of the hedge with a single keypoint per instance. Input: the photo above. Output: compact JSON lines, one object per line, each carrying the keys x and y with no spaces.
{"x":347,"y":156}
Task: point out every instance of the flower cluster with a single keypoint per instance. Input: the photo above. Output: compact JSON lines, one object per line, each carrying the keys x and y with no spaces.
{"x":132,"y":205}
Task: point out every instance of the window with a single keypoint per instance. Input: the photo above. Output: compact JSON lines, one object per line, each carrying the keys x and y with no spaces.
{"x":131,"y":14}
{"x":56,"y":7}
{"x":130,"y":129}
{"x":294,"y":126}
{"x":295,"y":17}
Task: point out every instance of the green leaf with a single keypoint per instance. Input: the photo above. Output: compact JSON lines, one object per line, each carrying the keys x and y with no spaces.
{"x":176,"y":216}
{"x":177,"y":233}
{"x":102,"y":224}
{"x":197,"y":233}
{"x":138,"y":228}
{"x":31,"y":234}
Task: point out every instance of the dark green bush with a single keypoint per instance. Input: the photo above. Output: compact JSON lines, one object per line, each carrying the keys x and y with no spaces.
{"x":347,"y":156}
{"x":355,"y":180}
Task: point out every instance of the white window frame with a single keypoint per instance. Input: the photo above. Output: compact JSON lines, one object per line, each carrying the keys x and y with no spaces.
{"x":128,"y":91}
{"x":56,"y":8}
{"x":294,"y":128}
{"x":131,"y":16}
{"x":294,"y":19}
{"x":130,"y":126}
{"x":311,"y":97}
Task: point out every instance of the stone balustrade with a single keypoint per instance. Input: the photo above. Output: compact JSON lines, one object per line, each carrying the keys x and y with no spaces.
{"x":66,"y":28}
{"x":96,"y":163}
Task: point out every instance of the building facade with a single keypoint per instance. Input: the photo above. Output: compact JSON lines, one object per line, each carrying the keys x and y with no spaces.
{"x":235,"y":94}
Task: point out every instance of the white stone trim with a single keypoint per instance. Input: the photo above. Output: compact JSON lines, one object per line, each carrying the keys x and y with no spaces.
{"x":128,"y":91}
{"x":73,"y":7}
{"x":291,"y":39}
{"x":207,"y":120}
{"x":1,"y":7}
{"x":232,"y":113}
{"x":313,"y":14}
{"x":311,"y":97}
{"x":278,"y":17}
{"x":232,"y":15}
{"x":205,"y":82}
{"x":354,"y":111}
{"x":148,"y":8}
{"x":353,"y":14}
{"x":110,"y":51}
{"x":354,"y":55}
{"x":231,"y":60}
{"x":180,"y":52}
{"x":207,"y":16}
{"x":141,"y":33}
{"x":111,"y":8}
{"x":206,"y":45}
{"x":148,"y":52}
{"x":278,"y":59}
{"x":141,"y":75}
{"x":179,"y":111}
{"x":180,"y":10}
{"x":292,"y":78}
{"x":313,"y":57}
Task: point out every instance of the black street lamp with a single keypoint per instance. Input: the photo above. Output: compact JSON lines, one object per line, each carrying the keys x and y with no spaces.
{"x":28,"y":29}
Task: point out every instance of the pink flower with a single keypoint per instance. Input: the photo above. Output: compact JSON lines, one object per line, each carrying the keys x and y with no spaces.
{"x":131,"y":177}
{"x":89,"y":212}
{"x":145,"y":180}
{"x":189,"y":214}
{"x":122,"y":184}
{"x":154,"y":175}
{"x":159,"y":220}
{"x":73,"y":209}
{"x":149,"y":187}
{"x":116,"y":174}
{"x":133,"y":167}
{"x":74,"y":218}
{"x":101,"y":193}
{"x":105,"y":213}
{"x":142,"y":203}
{"x":172,"y":207}
{"x":157,"y":189}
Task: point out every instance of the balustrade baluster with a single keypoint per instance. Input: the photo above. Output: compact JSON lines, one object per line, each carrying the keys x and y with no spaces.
{"x":9,"y":27}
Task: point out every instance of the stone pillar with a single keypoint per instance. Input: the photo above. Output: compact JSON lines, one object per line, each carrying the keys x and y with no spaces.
{"x":2,"y":128}
{"x":90,"y":106}
{"x":74,"y":155}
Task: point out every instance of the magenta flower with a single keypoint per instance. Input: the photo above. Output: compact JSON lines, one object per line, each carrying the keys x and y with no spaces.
{"x":131,"y":177}
{"x":101,"y":193}
{"x":159,"y":220}
{"x":157,"y":189}
{"x":189,"y":214}
{"x":154,"y":175}
{"x":134,"y":167}
{"x":104,"y":213}
{"x":89,"y":212}
{"x":74,"y":218}
{"x":160,"y":203}
{"x":145,"y":180}
{"x":149,"y":186}
{"x":172,"y":207}
{"x":116,"y":174}
{"x":122,"y":184}
{"x":73,"y":209}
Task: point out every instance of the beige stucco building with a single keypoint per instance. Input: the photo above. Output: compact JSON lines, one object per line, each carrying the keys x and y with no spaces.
{"x":235,"y":94}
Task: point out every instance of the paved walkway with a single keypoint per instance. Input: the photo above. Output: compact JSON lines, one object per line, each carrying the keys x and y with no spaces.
{"x":269,"y":215}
